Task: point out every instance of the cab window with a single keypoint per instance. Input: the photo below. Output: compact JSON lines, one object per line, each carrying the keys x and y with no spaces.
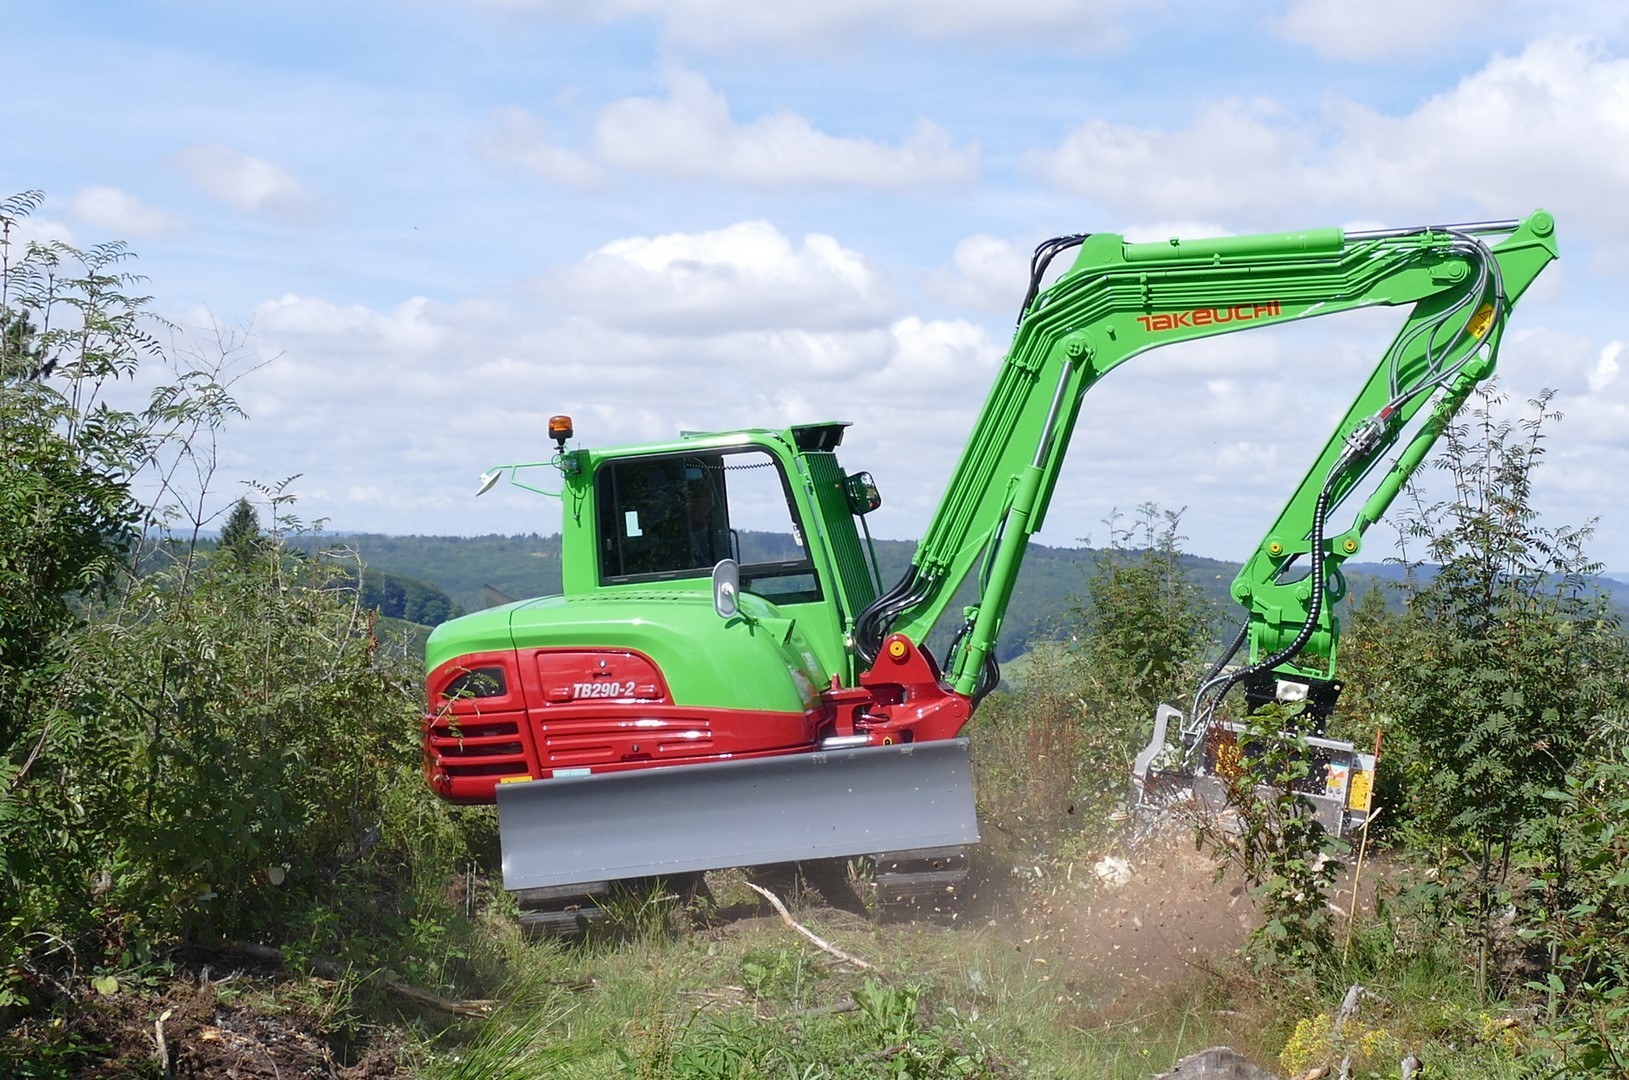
{"x":677,"y":516}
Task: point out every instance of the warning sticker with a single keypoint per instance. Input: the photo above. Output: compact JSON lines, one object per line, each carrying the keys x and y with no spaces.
{"x":1358,"y":795}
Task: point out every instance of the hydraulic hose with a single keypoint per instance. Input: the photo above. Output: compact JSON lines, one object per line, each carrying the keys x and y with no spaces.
{"x":1202,"y":710}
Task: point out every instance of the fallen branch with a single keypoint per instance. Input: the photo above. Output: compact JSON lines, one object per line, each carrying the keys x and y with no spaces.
{"x":819,"y":942}
{"x":161,"y":1050}
{"x":477,"y":1008}
{"x":1349,"y":1007}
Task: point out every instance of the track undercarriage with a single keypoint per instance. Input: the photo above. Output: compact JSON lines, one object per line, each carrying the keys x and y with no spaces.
{"x":927,"y":884}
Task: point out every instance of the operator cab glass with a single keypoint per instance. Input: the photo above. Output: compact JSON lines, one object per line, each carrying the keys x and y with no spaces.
{"x":675,"y":516}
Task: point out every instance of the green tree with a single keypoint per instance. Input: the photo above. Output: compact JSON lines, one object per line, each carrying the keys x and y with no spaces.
{"x":188,"y":747}
{"x":241,"y":534}
{"x":75,"y":331}
{"x":1144,"y":615}
{"x":1507,"y":658}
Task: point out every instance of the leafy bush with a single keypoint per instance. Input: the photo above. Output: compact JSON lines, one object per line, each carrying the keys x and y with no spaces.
{"x":1578,"y":911}
{"x":259,"y":733}
{"x":1506,"y":660}
{"x":190,"y":746}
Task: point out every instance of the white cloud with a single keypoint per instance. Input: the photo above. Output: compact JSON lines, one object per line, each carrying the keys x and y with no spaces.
{"x":934,"y":360}
{"x":121,"y":214}
{"x":837,"y":24}
{"x":407,"y":331}
{"x":692,"y":134}
{"x":520,"y":139}
{"x":734,"y":328}
{"x":250,"y":184}
{"x":1607,"y":368}
{"x":391,"y":413}
{"x":1383,"y":29}
{"x":986,"y":273}
{"x":1235,"y":154}
{"x":744,"y":277}
{"x":1548,"y":127}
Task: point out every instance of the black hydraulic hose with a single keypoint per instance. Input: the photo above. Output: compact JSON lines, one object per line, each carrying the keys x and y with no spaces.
{"x":989,"y":679}
{"x":873,"y":623}
{"x":1308,"y":628}
{"x":1045,"y":252}
{"x":1220,"y":665}
{"x":1318,"y":585}
{"x":989,"y":671}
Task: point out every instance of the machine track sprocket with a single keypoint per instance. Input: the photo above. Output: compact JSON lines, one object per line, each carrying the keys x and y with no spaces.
{"x":571,"y":912}
{"x":924,"y":883}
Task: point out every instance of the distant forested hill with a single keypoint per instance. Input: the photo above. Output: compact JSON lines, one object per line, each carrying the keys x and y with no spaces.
{"x":1050,"y":585}
{"x":520,"y":566}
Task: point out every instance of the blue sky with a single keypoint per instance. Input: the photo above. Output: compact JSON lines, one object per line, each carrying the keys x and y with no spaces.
{"x":433,"y":223}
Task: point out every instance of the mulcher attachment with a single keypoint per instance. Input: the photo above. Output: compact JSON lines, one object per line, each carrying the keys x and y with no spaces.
{"x":1200,"y":766}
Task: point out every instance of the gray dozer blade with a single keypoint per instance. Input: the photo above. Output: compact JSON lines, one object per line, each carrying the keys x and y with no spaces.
{"x":682,"y":818}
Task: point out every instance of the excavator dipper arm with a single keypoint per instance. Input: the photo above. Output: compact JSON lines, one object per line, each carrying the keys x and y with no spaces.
{"x":1121,"y":299}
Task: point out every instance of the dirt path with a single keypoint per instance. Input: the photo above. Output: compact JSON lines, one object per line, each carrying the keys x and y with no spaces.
{"x":1126,"y":928}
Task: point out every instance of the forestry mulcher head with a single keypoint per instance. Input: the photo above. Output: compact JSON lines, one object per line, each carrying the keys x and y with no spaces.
{"x":1201,"y":764}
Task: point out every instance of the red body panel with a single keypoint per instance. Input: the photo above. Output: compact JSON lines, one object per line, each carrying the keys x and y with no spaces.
{"x":536,"y":713}
{"x":608,"y":710}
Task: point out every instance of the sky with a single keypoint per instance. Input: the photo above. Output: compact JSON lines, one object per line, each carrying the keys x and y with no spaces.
{"x":416,"y":229}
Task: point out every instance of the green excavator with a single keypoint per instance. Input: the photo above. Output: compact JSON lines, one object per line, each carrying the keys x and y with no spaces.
{"x":701,"y":695}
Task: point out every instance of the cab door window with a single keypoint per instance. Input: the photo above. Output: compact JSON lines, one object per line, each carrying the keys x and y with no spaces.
{"x":677,"y":516}
{"x":661,"y":517}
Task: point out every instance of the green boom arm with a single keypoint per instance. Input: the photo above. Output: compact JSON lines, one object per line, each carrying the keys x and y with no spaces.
{"x":1121,"y":299}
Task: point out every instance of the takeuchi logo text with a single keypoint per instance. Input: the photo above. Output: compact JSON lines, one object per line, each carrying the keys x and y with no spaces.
{"x":1209,"y":316}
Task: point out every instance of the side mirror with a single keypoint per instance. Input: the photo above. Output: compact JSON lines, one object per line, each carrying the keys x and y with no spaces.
{"x":862,"y":493}
{"x":726,"y":587}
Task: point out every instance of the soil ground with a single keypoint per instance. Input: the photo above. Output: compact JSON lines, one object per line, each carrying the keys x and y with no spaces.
{"x":209,"y":1021}
{"x":1169,"y":922}
{"x":1116,"y":937}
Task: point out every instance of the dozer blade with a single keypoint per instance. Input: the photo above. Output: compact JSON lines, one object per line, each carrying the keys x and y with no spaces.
{"x":683,"y":818}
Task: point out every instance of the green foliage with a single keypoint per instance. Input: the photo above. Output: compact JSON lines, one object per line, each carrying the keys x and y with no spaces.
{"x":240,"y":536}
{"x":66,"y":513}
{"x":1578,"y":911}
{"x":210,"y":747}
{"x":886,"y":1037}
{"x":397,"y":597}
{"x":1506,"y":659}
{"x":266,"y":730}
{"x":1145,"y":616}
{"x":74,"y":332}
{"x":1509,"y":654}
{"x":521,"y":1042}
{"x":779,"y":974}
